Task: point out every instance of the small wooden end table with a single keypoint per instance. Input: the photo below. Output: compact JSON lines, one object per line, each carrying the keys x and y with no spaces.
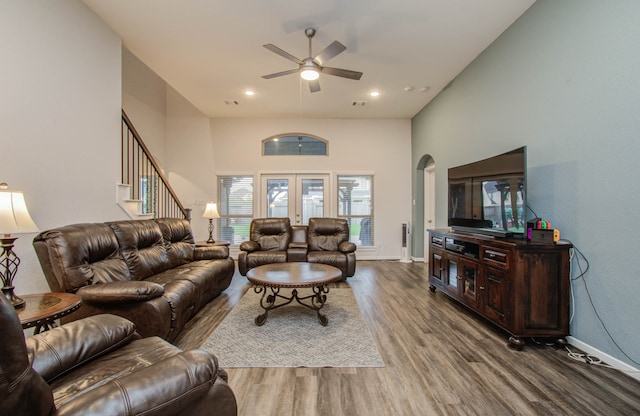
{"x":294,"y":275}
{"x":41,"y":310}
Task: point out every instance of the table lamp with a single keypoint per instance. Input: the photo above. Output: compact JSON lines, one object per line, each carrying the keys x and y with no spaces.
{"x":14,"y":219}
{"x":211,"y":212}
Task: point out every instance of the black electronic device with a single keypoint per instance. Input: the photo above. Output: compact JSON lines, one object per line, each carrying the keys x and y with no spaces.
{"x":489,"y":196}
{"x":462,"y":247}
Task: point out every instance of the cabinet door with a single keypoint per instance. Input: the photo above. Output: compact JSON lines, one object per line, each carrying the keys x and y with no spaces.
{"x":452,"y":276}
{"x":469,"y":273}
{"x":437,"y":269}
{"x":495,"y":287}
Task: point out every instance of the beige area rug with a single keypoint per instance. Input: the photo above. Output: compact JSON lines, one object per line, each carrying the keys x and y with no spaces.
{"x":293,"y":336}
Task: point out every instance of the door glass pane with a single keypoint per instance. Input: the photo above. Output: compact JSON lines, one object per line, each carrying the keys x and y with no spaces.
{"x":469,"y":280}
{"x":453,"y":273}
{"x":312,"y":199}
{"x":277,"y":198}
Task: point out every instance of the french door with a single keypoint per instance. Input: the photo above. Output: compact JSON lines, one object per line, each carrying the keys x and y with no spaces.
{"x":298,"y":197}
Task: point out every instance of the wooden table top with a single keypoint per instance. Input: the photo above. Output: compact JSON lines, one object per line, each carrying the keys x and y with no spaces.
{"x":46,"y":306}
{"x":294,"y":274}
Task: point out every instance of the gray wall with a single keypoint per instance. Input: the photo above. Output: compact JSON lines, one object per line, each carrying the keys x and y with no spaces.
{"x":565,"y":81}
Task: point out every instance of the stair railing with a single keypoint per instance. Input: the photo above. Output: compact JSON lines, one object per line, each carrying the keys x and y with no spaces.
{"x":143,"y":174}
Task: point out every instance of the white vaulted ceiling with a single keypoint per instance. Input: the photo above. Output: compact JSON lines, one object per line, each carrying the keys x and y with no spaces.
{"x":211,"y":51}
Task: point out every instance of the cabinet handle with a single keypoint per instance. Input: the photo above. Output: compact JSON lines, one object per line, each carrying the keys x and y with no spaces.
{"x":481,"y":287}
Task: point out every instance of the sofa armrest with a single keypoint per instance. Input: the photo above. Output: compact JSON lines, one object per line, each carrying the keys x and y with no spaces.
{"x":302,"y":246}
{"x":167,"y":387}
{"x":121,"y":292}
{"x":211,"y":253}
{"x":249,"y":246}
{"x":347,"y":247}
{"x":59,"y":350}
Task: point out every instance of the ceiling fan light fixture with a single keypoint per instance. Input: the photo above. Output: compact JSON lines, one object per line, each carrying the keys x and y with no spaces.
{"x":310,"y":74}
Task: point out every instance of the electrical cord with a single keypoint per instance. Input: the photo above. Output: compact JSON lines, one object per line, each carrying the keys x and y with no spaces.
{"x":585,"y":357}
{"x":595,"y":311}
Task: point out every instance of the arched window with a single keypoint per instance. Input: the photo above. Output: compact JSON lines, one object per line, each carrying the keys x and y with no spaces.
{"x":294,"y":144}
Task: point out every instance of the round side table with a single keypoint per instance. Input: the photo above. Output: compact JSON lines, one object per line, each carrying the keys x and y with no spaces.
{"x":41,"y":310}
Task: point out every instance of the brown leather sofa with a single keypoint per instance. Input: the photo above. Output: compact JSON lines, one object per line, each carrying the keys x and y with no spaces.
{"x":275,"y":240}
{"x":101,"y":366}
{"x":148,"y":271}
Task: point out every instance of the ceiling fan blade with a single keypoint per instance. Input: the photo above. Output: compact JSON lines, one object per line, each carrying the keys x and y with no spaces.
{"x":286,"y":55}
{"x":344,"y":73}
{"x":314,"y":86}
{"x":329,"y":52}
{"x":279,"y":74}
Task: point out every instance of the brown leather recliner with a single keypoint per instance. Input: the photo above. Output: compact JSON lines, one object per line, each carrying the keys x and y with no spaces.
{"x":100,"y":366}
{"x":269,"y":239}
{"x":274,"y":240}
{"x":328,"y":240}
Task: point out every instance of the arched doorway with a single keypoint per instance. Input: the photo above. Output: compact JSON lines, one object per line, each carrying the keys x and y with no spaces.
{"x":425,"y":205}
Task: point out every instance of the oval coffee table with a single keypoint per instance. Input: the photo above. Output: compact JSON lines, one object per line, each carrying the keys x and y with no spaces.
{"x":294,"y":275}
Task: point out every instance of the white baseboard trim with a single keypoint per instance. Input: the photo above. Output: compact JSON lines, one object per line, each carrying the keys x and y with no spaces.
{"x":612,"y":361}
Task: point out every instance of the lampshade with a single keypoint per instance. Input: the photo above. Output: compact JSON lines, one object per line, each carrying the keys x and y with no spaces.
{"x":211,"y":210}
{"x":14,"y":216}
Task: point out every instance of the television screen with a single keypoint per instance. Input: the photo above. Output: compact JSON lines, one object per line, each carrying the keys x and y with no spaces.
{"x":503,"y":203}
{"x":489,"y":196}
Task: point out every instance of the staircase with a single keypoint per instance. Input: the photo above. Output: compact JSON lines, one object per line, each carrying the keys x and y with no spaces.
{"x":144,"y":192}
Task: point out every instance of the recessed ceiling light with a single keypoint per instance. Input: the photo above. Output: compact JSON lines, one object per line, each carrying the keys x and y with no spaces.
{"x":249,"y":93}
{"x":408,"y":89}
{"x":424,"y":89}
{"x":374,"y":93}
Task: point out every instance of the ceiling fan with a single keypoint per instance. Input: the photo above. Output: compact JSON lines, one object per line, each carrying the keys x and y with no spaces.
{"x":310,"y":68}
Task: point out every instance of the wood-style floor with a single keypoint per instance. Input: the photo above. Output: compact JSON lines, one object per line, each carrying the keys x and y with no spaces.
{"x":439,"y":358}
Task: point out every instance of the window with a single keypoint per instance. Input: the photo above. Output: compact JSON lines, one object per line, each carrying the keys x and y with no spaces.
{"x":294,"y":144}
{"x":355,"y":204}
{"x":235,"y":194}
{"x":149,"y":193}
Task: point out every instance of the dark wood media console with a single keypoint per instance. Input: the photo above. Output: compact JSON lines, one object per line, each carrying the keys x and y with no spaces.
{"x":520,"y":286}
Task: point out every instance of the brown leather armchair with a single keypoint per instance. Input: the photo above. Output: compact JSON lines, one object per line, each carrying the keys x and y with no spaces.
{"x":328,"y":240}
{"x":100,"y":366}
{"x":269,"y":239}
{"x":274,"y":240}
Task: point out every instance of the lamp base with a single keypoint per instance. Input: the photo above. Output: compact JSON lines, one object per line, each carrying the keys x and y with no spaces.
{"x":16,"y":301}
{"x":210,"y":240}
{"x":10,"y":263}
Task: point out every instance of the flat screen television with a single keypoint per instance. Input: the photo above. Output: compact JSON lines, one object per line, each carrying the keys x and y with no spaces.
{"x":489,"y":196}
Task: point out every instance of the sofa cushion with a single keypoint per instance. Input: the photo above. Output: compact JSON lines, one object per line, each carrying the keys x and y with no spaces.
{"x":332,"y":258}
{"x":54,"y":353}
{"x":271,"y":233}
{"x":258,"y":258}
{"x":142,"y":247}
{"x":80,"y":254}
{"x":178,"y":240}
{"x":201,"y":274}
{"x":182,"y":296}
{"x":326,"y":233}
{"x":129,"y":359}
